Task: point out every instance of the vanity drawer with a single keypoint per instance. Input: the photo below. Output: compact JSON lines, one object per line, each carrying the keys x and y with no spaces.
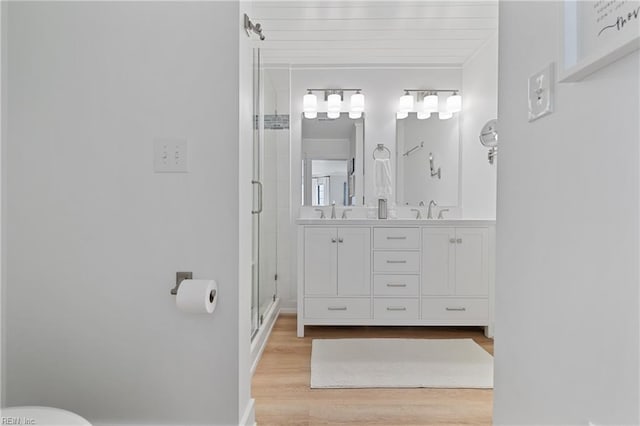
{"x":396,"y":285}
{"x":396,"y":261}
{"x":396,"y":238}
{"x":455,"y":309}
{"x":338,"y":308}
{"x":395,"y":308}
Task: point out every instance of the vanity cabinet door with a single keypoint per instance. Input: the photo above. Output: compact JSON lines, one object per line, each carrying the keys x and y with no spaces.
{"x":354,"y":261}
{"x":472,"y":263}
{"x":438,"y":261}
{"x":320,"y":261}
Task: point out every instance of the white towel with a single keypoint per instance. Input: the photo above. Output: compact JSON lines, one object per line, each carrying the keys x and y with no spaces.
{"x":382,"y":176}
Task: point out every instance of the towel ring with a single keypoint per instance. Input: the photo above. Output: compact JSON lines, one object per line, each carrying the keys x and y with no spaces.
{"x":381,"y":147}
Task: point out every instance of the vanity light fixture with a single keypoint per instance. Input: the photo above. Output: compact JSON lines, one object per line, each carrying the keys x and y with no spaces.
{"x":334,"y":102}
{"x":310,"y":105}
{"x":406,"y":102}
{"x":333,"y":98}
{"x":357,"y":102}
{"x":454,"y":102}
{"x":428,"y":103}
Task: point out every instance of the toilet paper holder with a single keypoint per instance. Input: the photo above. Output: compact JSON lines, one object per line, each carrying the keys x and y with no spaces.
{"x":181,"y":276}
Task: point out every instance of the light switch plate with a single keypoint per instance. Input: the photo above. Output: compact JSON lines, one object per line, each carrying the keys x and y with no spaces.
{"x":541,"y":92}
{"x":170,"y":155}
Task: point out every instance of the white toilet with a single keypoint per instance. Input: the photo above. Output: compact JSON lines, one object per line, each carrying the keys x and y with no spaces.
{"x":42,"y":416}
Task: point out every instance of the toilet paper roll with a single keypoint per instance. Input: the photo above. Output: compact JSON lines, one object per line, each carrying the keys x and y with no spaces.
{"x":197,"y":296}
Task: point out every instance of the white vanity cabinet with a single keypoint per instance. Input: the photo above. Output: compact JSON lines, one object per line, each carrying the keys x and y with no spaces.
{"x":337,"y":273}
{"x":395,"y":272}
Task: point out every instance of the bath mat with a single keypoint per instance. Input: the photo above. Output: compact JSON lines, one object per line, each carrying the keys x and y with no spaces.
{"x":400,"y":363}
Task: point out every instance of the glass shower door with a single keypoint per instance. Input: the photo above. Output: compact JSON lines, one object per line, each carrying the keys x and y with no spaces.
{"x":264,"y":212}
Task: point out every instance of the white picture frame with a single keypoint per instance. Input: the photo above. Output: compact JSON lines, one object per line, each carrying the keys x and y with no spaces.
{"x":595,"y":34}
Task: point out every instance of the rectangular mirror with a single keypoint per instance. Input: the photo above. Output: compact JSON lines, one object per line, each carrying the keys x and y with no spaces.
{"x":423,"y":148}
{"x":332,"y":160}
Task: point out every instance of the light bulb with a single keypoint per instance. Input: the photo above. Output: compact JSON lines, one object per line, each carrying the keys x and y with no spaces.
{"x":445,"y":115}
{"x":400,"y":115}
{"x":309,"y":103}
{"x":422,"y":115}
{"x":355,"y":115}
{"x":430,"y":103}
{"x":334,"y":101}
{"x":357,"y":102}
{"x":333,"y":114}
{"x":454,"y":102}
{"x":406,"y":103}
{"x":310,"y":114}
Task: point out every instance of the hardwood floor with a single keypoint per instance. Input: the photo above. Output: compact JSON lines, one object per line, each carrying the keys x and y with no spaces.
{"x":283,"y":397}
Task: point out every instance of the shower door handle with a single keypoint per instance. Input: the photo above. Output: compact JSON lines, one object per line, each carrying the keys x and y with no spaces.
{"x":257,"y":182}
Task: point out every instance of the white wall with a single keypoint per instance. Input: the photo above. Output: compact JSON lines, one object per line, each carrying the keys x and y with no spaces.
{"x":3,"y":128}
{"x":480,"y":104}
{"x":567,"y":302}
{"x":94,"y":236}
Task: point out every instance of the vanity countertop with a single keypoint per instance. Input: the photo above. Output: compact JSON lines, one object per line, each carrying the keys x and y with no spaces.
{"x":397,"y":222}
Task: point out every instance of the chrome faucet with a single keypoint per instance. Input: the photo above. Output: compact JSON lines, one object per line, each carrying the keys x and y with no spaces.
{"x":344,"y":213}
{"x":333,"y":210}
{"x":440,"y":216}
{"x":322,"y":216}
{"x":429,"y":213}
{"x":418,"y":213}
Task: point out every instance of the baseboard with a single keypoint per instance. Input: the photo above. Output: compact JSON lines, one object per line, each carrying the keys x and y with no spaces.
{"x":288,"y":311}
{"x":260,"y":340}
{"x":249,"y":416}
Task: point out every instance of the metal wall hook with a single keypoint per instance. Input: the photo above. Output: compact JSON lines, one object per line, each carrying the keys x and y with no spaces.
{"x":434,"y":172}
{"x":251,"y":27}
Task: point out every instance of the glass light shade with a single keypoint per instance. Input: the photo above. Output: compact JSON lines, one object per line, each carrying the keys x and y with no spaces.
{"x":406,"y":103}
{"x":333,"y":114}
{"x":333,"y":103}
{"x":309,"y":103}
{"x":400,"y":115}
{"x":430,"y":103}
{"x":454,"y":103}
{"x":445,"y":115}
{"x":422,"y":115}
{"x":310,"y":114}
{"x":355,"y":115}
{"x":357,"y":102}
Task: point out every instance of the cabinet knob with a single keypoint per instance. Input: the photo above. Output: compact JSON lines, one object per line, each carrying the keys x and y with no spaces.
{"x":452,"y":240}
{"x":333,"y":240}
{"x":459,"y":240}
{"x":340,"y":240}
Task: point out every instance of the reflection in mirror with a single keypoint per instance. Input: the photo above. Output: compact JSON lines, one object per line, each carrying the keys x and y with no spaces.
{"x":426,"y":147}
{"x":332,"y":160}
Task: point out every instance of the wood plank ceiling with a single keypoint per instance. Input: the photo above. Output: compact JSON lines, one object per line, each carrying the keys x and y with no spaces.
{"x":374,"y":32}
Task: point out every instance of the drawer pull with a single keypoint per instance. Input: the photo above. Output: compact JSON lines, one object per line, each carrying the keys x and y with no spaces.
{"x":396,"y":261}
{"x":396,"y":285}
{"x":337,"y":308}
{"x":456,"y":309}
{"x":396,"y":308}
{"x":396,"y":238}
